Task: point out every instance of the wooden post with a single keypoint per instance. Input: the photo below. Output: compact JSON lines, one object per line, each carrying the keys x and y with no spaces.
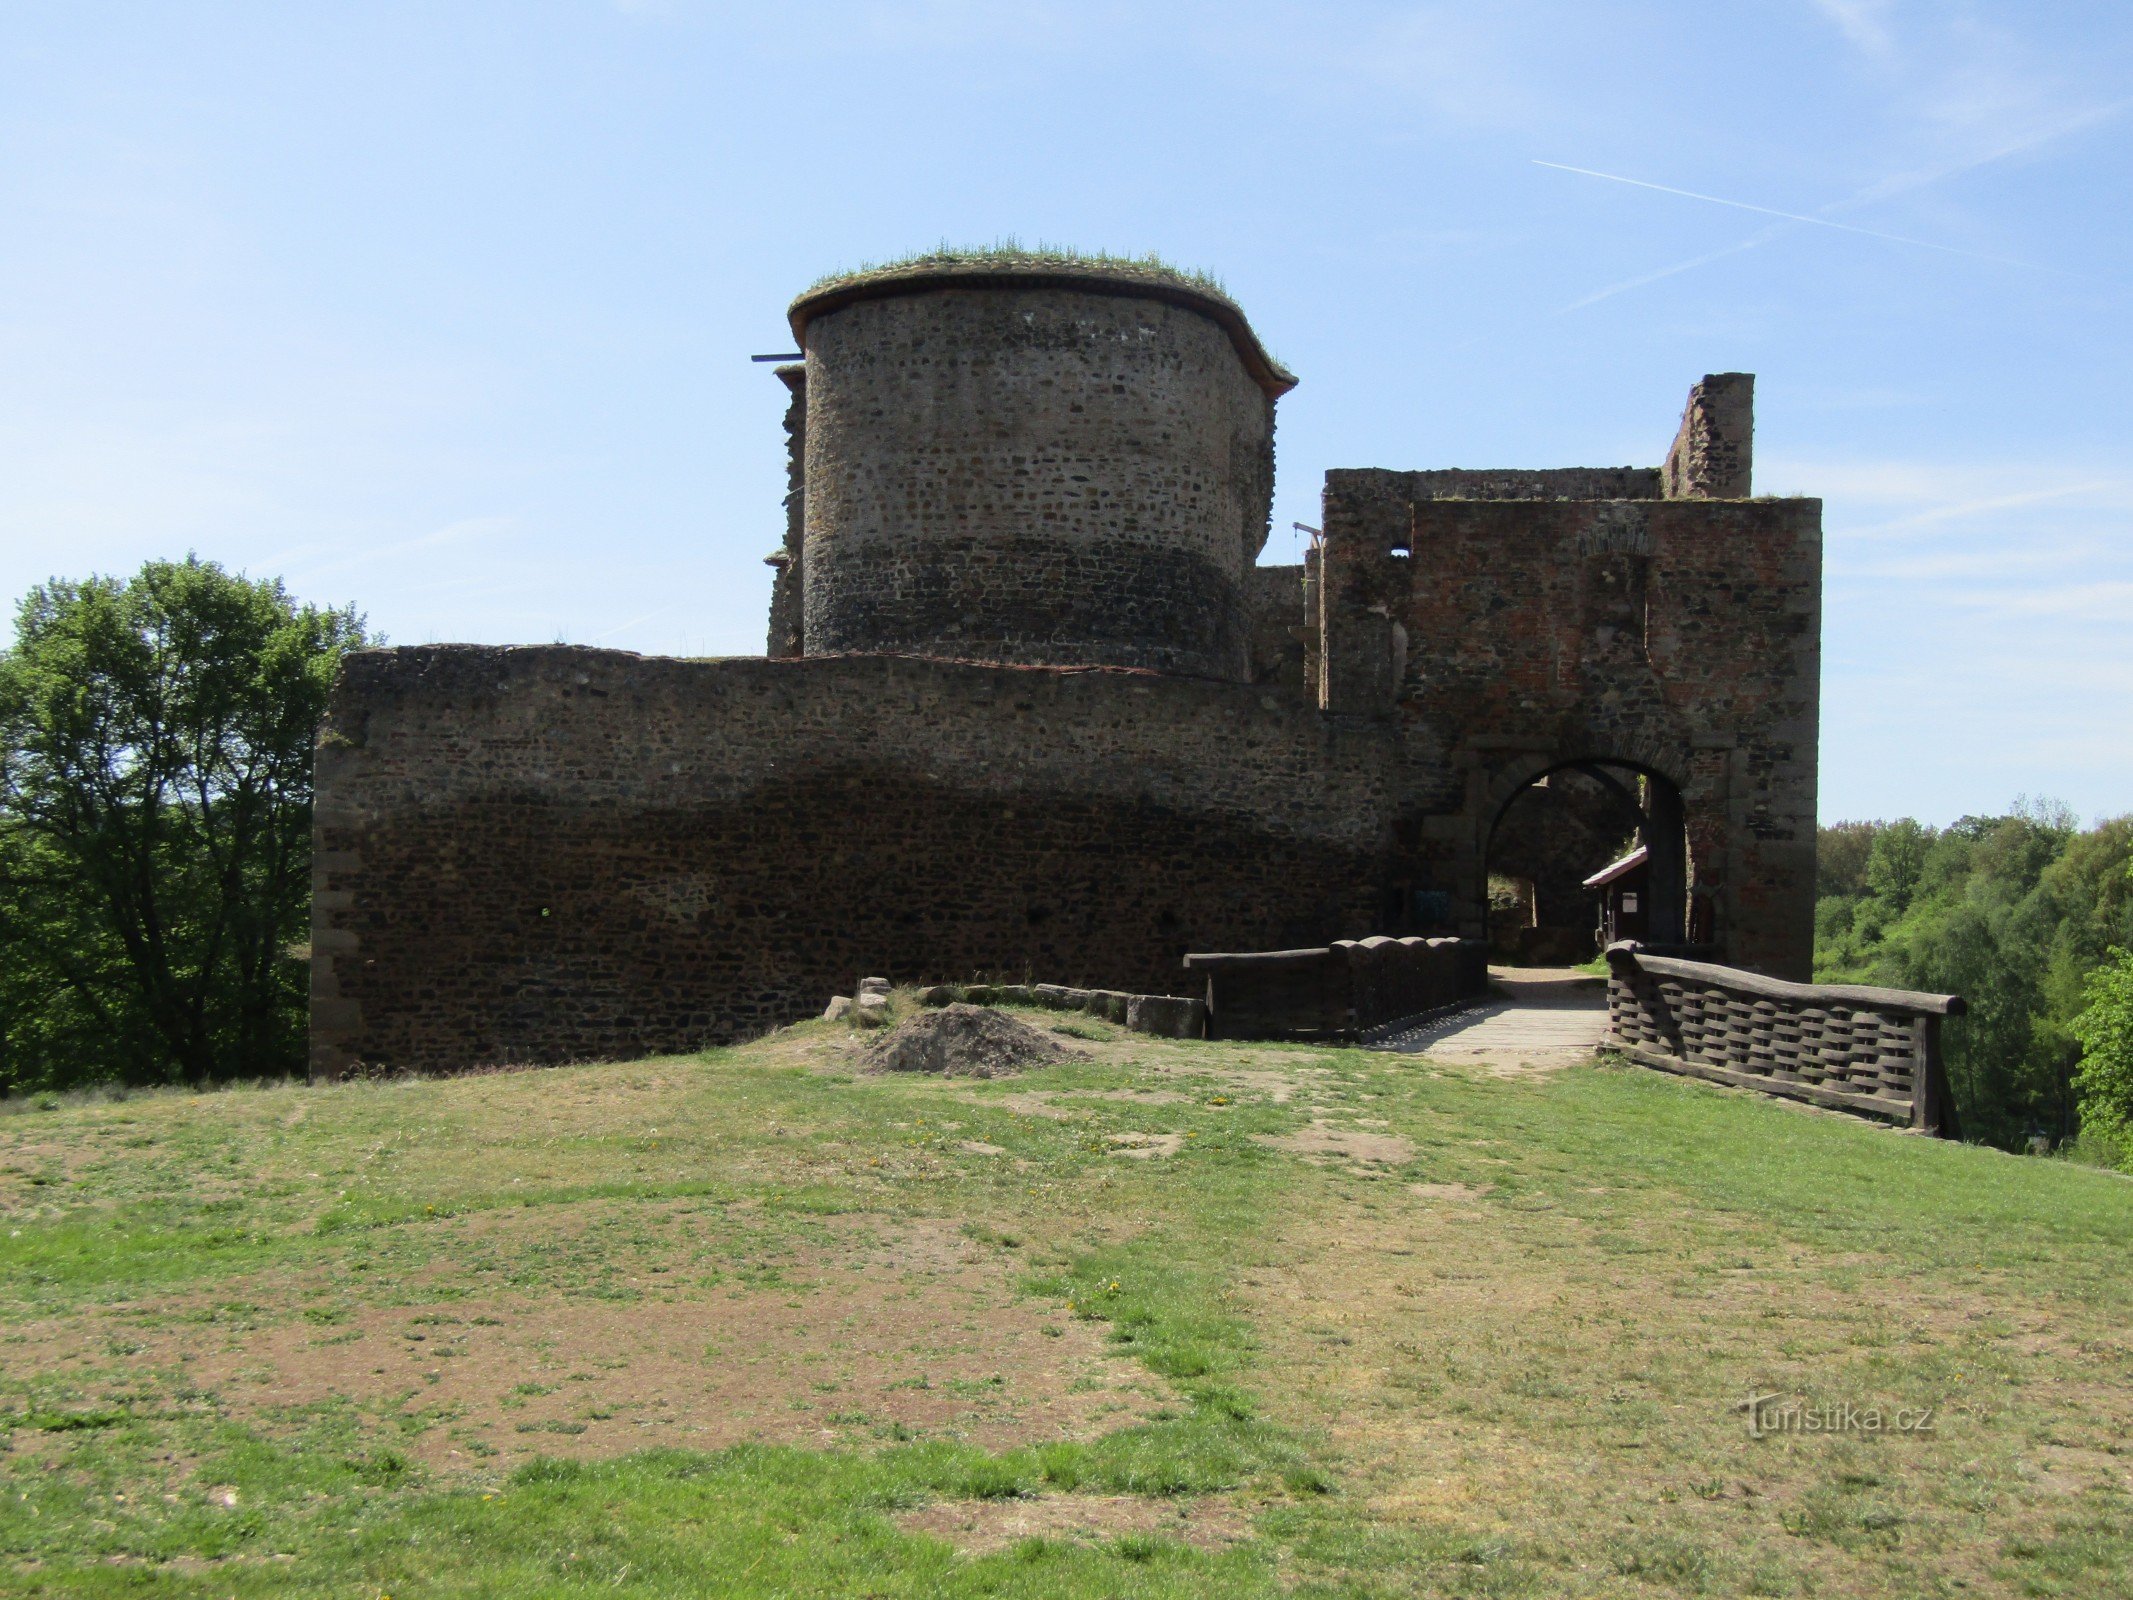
{"x":1932,"y":1106}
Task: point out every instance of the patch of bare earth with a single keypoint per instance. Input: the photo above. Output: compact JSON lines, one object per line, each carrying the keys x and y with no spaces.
{"x":1066,"y":1104}
{"x":890,"y":1329}
{"x":980,"y":1527}
{"x":1144,"y":1146}
{"x":1274,"y":1076}
{"x":1445,"y":1191}
{"x":1535,"y":1067}
{"x":1326,"y":1141}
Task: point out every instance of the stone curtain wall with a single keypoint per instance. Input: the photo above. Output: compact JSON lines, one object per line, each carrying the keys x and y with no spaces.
{"x":1681,"y":637}
{"x":1276,"y":599}
{"x":549,"y":854}
{"x":1873,"y":1051}
{"x":1033,"y":475}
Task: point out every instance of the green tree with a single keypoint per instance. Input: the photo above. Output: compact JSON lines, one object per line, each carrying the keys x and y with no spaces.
{"x":1896,"y":861}
{"x":2011,"y":912}
{"x":1841,"y":852}
{"x":2105,"y":1029}
{"x":155,"y":825}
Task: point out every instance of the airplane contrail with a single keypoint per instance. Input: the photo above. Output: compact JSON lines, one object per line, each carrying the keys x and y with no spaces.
{"x":1794,"y":216}
{"x":1704,"y":260}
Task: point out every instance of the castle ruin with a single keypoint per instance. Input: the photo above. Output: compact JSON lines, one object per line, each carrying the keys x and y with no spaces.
{"x":1031,"y":708}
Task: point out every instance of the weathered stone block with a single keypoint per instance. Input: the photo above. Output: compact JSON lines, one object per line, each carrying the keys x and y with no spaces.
{"x":1166,"y":1017}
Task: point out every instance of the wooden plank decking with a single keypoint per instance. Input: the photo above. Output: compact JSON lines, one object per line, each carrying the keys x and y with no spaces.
{"x":1543,"y":1014}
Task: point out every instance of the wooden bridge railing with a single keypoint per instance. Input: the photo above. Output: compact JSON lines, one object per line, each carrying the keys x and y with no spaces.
{"x":1875,"y":1051}
{"x":1336,"y":991}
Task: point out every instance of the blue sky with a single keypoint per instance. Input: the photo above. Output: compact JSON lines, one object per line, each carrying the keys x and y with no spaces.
{"x":445,"y":309}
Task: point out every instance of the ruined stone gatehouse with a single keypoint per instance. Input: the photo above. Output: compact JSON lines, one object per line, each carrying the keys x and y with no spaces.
{"x":1032,"y":708}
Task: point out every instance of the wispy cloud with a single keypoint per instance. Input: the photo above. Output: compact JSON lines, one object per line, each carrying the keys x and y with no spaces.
{"x":634,"y":622}
{"x":2109,"y":602}
{"x":1989,"y":595}
{"x":1920,"y":482}
{"x":1679,"y":267}
{"x":1863,"y":23}
{"x":2003,"y":145}
{"x":2022,"y":563}
{"x":2099,"y":492}
{"x":459,"y":532}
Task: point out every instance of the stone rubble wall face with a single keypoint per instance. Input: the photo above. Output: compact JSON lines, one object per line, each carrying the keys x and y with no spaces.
{"x":556,"y":853}
{"x":1276,"y":604}
{"x":1713,"y":456}
{"x":1040,"y":476}
{"x":787,"y":623}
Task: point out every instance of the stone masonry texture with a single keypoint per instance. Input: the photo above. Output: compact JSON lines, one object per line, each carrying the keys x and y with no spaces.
{"x":1713,"y":456}
{"x":554,"y":853}
{"x":1044,"y":476}
{"x":1679,"y":638}
{"x":1031,"y":713}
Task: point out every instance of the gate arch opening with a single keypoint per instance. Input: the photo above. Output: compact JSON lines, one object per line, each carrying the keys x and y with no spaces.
{"x":1588,"y":850}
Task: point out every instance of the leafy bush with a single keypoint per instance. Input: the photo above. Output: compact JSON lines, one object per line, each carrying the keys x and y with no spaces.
{"x":2105,"y":1029}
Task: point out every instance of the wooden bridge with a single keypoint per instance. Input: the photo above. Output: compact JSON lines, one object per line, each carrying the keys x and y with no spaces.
{"x":1872,"y":1051}
{"x":1539,"y":1016}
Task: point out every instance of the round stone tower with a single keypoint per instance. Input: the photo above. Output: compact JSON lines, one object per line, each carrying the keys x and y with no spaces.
{"x":1033,"y":461}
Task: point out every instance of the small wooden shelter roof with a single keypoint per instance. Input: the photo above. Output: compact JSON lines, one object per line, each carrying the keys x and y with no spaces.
{"x":1620,"y":869}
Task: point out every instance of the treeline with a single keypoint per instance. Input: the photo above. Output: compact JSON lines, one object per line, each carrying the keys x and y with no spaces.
{"x":2027,"y":917}
{"x":155,"y":827}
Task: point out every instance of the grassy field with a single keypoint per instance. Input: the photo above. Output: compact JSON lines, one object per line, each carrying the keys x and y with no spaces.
{"x":1172,"y":1319}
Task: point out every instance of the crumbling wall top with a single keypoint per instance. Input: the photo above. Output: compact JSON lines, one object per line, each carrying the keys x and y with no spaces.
{"x":1713,"y":456}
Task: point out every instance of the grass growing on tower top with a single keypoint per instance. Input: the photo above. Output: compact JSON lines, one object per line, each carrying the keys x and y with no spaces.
{"x":1010,"y":253}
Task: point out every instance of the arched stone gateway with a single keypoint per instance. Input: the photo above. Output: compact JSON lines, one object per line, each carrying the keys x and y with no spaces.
{"x":1570,"y":822}
{"x":1515,"y":624}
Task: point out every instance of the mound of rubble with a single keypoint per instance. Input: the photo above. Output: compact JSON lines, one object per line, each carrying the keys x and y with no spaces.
{"x":961,"y":1041}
